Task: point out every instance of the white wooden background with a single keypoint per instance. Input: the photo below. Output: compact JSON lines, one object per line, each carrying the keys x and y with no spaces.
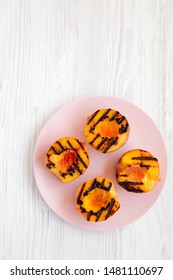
{"x":51,"y":53}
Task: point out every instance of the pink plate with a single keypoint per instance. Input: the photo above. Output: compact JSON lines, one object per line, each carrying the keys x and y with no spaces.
{"x":70,"y":121}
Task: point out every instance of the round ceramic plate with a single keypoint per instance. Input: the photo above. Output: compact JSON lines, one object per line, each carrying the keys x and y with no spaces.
{"x":70,"y":121}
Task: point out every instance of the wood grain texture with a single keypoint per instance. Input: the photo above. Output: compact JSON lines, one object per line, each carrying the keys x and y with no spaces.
{"x":53,"y":52}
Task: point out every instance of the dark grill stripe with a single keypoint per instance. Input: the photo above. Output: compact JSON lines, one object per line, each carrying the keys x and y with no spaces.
{"x":80,"y":194}
{"x":109,"y":187}
{"x":93,"y":116}
{"x":132,"y":189}
{"x":81,"y":160}
{"x":78,"y":156}
{"x":112,"y":142}
{"x":71,"y":170}
{"x":110,"y":208}
{"x":50,"y":165}
{"x":96,"y":185}
{"x":147,"y":166}
{"x":86,"y":154}
{"x":54,"y":150}
{"x":129,"y":186}
{"x":80,"y":144}
{"x":98,"y":135}
{"x":83,"y":210}
{"x":77,"y":168}
{"x":100,"y":119}
{"x":123,"y":128}
{"x":93,"y":186}
{"x":63,"y":174}
{"x":144,"y":158}
{"x":120,"y":120}
{"x":61,"y":146}
{"x":114,"y":116}
{"x":99,"y":214}
{"x":103,"y":181}
{"x":90,"y":213}
{"x":129,"y":183}
{"x":101,"y":143}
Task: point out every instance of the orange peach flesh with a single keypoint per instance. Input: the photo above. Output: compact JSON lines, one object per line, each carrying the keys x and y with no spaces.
{"x":68,"y":159}
{"x":135,"y":173}
{"x":107,"y":130}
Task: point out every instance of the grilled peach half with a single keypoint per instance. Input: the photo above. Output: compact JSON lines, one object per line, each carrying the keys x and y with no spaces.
{"x":67,"y":158}
{"x":97,"y":199}
{"x":106,"y":130}
{"x":138,"y":171}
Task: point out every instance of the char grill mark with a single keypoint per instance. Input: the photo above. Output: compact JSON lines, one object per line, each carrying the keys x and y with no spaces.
{"x":81,"y":160}
{"x":112,"y":142}
{"x":109,"y":187}
{"x":92,"y":187}
{"x":54,"y":150}
{"x":50,"y":165}
{"x":129,"y":183}
{"x":80,"y":144}
{"x":103,"y":181}
{"x":145,"y":158}
{"x":123,"y":128}
{"x":101,"y":143}
{"x":72,"y":169}
{"x":90,"y":213}
{"x":77,"y":168}
{"x":63,"y":174}
{"x":98,"y":135}
{"x":147,"y":166}
{"x":104,"y":116}
{"x":120,"y":120}
{"x":78,"y":156}
{"x":79,"y":201}
{"x":86,"y":154}
{"x":99,"y":214}
{"x":110,"y":208}
{"x":92,"y":117}
{"x":114,"y":116}
{"x":131,"y":189}
{"x":61,"y":146}
{"x":129,"y":186}
{"x":82,"y":209}
{"x":96,"y":185}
